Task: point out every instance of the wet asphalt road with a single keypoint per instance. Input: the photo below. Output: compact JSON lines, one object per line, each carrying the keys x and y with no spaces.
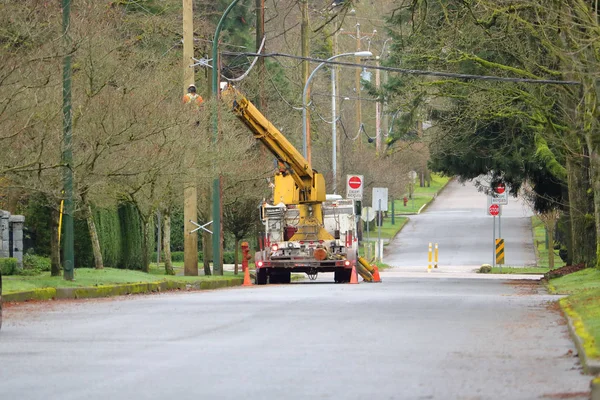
{"x":407,"y":338}
{"x":458,"y":222}
{"x":435,"y":336}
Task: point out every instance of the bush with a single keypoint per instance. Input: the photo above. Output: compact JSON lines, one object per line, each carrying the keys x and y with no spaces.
{"x":8,"y":266}
{"x":229,"y":257}
{"x":33,"y":262}
{"x":485,"y":269}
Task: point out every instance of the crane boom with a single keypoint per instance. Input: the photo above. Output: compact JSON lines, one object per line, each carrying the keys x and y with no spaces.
{"x":309,"y":184}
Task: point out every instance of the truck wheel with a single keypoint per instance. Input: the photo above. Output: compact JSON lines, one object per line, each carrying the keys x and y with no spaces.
{"x":285,"y":277}
{"x":261,"y":277}
{"x":342,"y":276}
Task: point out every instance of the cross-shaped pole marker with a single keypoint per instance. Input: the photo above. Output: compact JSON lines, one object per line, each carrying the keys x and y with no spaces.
{"x":201,"y":226}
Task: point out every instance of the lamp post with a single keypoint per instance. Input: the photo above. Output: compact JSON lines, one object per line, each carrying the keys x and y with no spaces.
{"x":333,"y":111}
{"x":216,"y":195}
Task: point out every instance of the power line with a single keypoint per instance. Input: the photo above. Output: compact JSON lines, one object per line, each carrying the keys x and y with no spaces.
{"x":415,"y":71}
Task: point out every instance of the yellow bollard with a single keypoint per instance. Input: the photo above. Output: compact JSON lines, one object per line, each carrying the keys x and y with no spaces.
{"x":436,"y":255}
{"x":429,"y":265}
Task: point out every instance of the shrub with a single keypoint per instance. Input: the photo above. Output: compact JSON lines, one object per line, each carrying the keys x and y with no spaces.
{"x":8,"y":266}
{"x":33,"y":262}
{"x":485,"y":269}
{"x":229,"y":257}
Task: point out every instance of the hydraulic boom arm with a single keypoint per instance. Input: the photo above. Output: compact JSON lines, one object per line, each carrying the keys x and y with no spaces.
{"x":309,"y":185}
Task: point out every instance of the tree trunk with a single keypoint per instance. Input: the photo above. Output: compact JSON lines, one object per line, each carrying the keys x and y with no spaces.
{"x":595,"y":160}
{"x":146,"y":242}
{"x":236,"y":255}
{"x":55,"y":269}
{"x":14,"y":195}
{"x":591,"y":131}
{"x":550,"y":230}
{"x":166,"y":241}
{"x":583,"y":233}
{"x":89,"y":216}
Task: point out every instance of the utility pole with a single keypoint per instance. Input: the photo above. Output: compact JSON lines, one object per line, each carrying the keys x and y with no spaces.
{"x":357,"y":86}
{"x":357,"y":36}
{"x":377,"y":110}
{"x":190,"y":194}
{"x":334,"y":141}
{"x":260,"y":33}
{"x":305,"y":41}
{"x":67,"y":156}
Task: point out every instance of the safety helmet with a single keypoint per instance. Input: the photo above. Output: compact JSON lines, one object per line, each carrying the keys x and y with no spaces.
{"x":192,"y":88}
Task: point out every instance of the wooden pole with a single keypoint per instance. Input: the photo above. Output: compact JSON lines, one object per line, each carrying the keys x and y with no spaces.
{"x":190,"y":194}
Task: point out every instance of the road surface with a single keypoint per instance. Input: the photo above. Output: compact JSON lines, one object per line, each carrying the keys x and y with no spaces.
{"x":458,"y":222}
{"x":409,"y":337}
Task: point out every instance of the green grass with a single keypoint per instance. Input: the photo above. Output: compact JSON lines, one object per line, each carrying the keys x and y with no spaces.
{"x":421,"y":195}
{"x":388,"y":231}
{"x":382,"y":266}
{"x":539,"y":242}
{"x":91,"y":277}
{"x":585,"y":280}
{"x":583,"y":305}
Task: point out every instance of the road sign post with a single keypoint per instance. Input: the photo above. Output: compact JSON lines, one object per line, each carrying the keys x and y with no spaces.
{"x":368,"y":215}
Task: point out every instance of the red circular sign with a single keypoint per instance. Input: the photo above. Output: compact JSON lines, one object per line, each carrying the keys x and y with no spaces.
{"x":500,"y":188}
{"x":354,"y":182}
{"x":494,"y":209}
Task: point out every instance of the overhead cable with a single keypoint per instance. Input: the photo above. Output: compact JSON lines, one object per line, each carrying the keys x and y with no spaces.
{"x":414,"y":71}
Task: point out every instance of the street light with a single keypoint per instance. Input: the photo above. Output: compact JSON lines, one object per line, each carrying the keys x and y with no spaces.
{"x":305,"y":100}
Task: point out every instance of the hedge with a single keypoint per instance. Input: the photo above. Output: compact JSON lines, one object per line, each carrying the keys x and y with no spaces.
{"x":8,"y":266}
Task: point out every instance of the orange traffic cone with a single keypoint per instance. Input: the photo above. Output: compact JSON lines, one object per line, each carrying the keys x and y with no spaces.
{"x":376,"y":277}
{"x":353,"y":275}
{"x":247,"y":281}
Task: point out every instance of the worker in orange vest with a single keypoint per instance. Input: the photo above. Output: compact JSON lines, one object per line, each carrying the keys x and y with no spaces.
{"x":192,"y":97}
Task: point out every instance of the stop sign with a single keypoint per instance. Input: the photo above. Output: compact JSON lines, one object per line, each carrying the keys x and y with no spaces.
{"x":354,"y":182}
{"x":500,"y":188}
{"x":494,"y":209}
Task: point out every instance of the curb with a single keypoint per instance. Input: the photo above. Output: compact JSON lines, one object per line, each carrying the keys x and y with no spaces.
{"x":117,"y":290}
{"x":590,"y":366}
{"x":595,"y":388}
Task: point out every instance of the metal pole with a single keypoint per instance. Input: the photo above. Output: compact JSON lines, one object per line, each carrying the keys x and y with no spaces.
{"x":190,"y":191}
{"x":377,"y":112}
{"x":393,"y":211}
{"x":494,"y":244}
{"x":357,"y":88}
{"x":67,"y":156}
{"x":379,"y":233}
{"x":333,"y":131}
{"x":500,"y":223}
{"x":216,"y":200}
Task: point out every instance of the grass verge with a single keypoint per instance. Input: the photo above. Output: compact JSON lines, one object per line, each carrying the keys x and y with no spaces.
{"x":421,"y":196}
{"x":582,"y":305}
{"x":539,"y":243}
{"x":86,"y":277}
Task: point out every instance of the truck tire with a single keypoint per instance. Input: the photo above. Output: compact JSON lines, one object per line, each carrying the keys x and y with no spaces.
{"x":280,"y":277}
{"x":286,"y":277}
{"x":261,"y":277}
{"x":342,"y":275}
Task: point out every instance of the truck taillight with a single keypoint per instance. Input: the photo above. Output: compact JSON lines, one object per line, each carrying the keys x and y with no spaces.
{"x":274,"y":247}
{"x":259,"y":264}
{"x":347,"y":263}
